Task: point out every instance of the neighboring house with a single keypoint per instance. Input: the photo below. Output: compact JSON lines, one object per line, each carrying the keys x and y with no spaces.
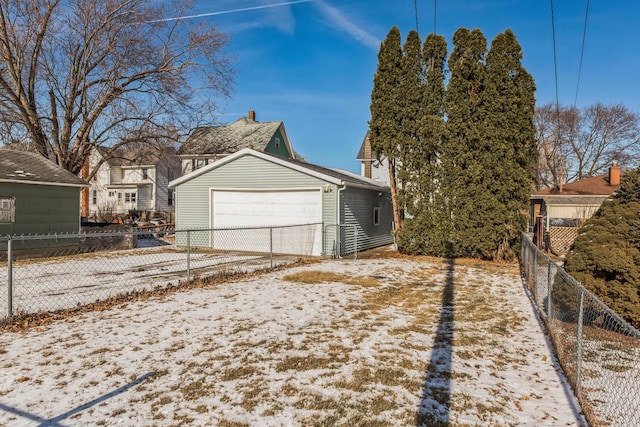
{"x":251,"y":188}
{"x":37,"y":196}
{"x":555,"y":214}
{"x":132,"y":180}
{"x":373,"y":166}
{"x":205,"y":145}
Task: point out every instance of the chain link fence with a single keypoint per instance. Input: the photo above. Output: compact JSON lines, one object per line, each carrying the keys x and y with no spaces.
{"x":598,"y":351}
{"x":48,"y":273}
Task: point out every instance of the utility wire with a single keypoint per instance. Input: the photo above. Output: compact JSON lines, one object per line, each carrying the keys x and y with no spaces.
{"x":555,"y":61}
{"x":584,"y":36}
{"x":434,"y":16}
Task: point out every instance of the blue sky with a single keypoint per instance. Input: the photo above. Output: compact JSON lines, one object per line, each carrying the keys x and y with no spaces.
{"x":311,"y":63}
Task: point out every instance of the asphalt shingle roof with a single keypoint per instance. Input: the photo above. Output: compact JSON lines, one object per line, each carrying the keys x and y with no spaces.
{"x":227,"y":139}
{"x":347,"y":177}
{"x":596,"y":185}
{"x":136,"y":157}
{"x":32,"y":167}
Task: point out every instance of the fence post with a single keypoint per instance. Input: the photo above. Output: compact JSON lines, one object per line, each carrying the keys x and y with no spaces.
{"x":188,"y":256}
{"x":355,"y":238}
{"x":579,"y":340}
{"x":10,"y":277}
{"x":549,"y":289}
{"x":535,"y":270}
{"x":271,"y":247}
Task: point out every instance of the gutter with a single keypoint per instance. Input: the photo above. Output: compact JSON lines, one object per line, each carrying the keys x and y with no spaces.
{"x":56,"y":184}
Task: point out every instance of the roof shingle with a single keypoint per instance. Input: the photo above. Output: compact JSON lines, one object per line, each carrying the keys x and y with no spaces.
{"x":23,"y":166}
{"x":228,"y":139}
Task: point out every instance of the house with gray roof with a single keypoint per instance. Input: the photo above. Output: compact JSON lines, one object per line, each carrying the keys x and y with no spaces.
{"x":205,"y":145}
{"x":37,"y":195}
{"x":333,"y":212}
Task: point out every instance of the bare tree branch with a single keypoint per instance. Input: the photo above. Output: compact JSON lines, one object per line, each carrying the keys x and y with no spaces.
{"x":82,"y":74}
{"x":576,"y":144}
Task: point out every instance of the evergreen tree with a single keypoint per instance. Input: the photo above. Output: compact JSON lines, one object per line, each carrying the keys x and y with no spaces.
{"x":386,"y":111}
{"x":463,"y":173}
{"x":424,"y":198}
{"x":605,"y":257}
{"x":410,"y":98}
{"x":508,"y":147}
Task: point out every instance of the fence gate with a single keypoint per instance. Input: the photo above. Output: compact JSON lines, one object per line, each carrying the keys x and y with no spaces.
{"x":344,"y":240}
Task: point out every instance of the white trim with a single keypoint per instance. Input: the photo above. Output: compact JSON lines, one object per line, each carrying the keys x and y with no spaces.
{"x":365,"y":184}
{"x":260,"y":155}
{"x":55,"y":184}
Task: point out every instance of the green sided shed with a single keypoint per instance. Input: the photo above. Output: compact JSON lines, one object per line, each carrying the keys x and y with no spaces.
{"x":37,"y":196}
{"x":255,"y":189}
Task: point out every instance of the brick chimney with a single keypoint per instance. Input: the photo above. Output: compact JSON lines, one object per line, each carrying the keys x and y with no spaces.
{"x":367,"y":158}
{"x":614,"y":174}
{"x":252,"y":115}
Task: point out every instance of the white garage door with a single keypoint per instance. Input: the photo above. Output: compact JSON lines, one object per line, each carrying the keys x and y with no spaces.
{"x":242,"y":209}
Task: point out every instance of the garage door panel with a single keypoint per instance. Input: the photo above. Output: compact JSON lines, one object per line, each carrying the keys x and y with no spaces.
{"x":241,"y":209}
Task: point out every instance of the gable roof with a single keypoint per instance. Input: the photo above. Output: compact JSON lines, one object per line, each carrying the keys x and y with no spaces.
{"x":227,"y":139}
{"x":363,"y":149}
{"x":592,"y":186}
{"x":32,"y":168}
{"x":146,"y":156}
{"x":334,"y":176}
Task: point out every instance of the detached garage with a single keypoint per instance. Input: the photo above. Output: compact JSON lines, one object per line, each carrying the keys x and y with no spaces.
{"x":253,"y":191}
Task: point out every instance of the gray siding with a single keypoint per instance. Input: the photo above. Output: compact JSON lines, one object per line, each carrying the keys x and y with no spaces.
{"x":248,"y":172}
{"x":356,"y":209}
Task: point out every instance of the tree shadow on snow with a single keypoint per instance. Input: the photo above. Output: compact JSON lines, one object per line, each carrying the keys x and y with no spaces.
{"x":436,"y":389}
{"x":56,"y":421}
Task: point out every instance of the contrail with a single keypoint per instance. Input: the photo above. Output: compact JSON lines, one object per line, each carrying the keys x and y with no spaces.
{"x":223,"y":12}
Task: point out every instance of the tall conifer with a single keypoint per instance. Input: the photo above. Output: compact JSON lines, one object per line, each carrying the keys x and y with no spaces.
{"x":386,"y":111}
{"x":425,"y":200}
{"x":463,"y":174}
{"x":411,"y":106}
{"x":509,"y":137}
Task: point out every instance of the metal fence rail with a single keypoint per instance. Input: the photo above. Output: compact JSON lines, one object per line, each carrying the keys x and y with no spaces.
{"x":44,"y":273}
{"x":598,"y":351}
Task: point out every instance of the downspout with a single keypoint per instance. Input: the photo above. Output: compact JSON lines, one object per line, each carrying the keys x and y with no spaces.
{"x":338,"y":233}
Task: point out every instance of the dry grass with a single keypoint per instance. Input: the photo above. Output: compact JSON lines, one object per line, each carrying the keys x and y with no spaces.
{"x":363,"y":364}
{"x":317,"y":277}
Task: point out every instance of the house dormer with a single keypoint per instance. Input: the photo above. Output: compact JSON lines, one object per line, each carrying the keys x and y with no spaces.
{"x":208,"y":144}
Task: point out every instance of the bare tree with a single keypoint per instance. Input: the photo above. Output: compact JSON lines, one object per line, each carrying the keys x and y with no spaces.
{"x":576,"y":144}
{"x":80,"y":74}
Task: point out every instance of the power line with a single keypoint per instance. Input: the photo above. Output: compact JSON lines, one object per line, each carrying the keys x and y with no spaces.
{"x":555,"y":60}
{"x":434,"y":16}
{"x":584,"y":36}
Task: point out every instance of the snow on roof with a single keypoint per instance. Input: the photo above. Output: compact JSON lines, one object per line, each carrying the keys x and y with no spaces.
{"x":27,"y":167}
{"x":226,"y":139}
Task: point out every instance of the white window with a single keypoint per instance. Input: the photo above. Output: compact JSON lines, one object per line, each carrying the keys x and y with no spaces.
{"x":277,"y":142}
{"x":170,"y":197}
{"x":7,"y":210}
{"x":94,"y":198}
{"x":112,"y":193}
{"x":129,"y":197}
{"x":145,"y":173}
{"x":198,"y":163}
{"x":376,"y":216}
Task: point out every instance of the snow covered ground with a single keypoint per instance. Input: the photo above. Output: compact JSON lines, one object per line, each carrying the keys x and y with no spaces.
{"x":370,"y":342}
{"x":50,"y":284}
